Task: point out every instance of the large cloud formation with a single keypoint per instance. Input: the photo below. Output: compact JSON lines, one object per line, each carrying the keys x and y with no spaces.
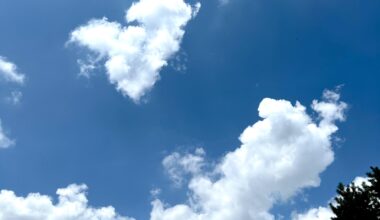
{"x":71,"y":205}
{"x":136,"y":53}
{"x":280,"y":155}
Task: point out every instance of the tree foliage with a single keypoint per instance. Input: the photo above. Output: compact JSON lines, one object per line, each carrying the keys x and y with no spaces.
{"x":359,"y":202}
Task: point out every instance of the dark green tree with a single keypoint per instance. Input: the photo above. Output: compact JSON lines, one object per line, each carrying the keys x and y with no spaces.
{"x":359,"y":202}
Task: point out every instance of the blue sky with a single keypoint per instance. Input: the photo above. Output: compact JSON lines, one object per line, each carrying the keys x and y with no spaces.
{"x":69,"y":128}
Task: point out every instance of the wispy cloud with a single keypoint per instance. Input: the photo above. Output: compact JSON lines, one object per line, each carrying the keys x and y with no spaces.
{"x":9,"y":72}
{"x":224,"y":2}
{"x":5,"y":141}
{"x":178,"y":166}
{"x":15,"y":97}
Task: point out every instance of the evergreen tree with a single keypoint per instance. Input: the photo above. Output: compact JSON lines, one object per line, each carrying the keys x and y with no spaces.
{"x":359,"y":202}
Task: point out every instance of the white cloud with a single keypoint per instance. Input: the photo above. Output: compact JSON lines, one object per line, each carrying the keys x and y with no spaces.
{"x":177,"y":166}
{"x":320,"y":213}
{"x":9,"y":72}
{"x":136,"y":53}
{"x":5,"y":141}
{"x":280,"y":155}
{"x":72,"y":205}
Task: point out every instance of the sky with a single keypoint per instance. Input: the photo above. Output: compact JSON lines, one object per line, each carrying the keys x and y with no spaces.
{"x":185,"y":110}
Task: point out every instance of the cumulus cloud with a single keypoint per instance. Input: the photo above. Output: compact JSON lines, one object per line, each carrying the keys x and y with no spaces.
{"x":9,"y":72}
{"x":134,"y":54}
{"x":279,"y":156}
{"x":72,"y":205}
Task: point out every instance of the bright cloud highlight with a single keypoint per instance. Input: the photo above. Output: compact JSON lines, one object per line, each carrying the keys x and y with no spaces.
{"x":136,"y":53}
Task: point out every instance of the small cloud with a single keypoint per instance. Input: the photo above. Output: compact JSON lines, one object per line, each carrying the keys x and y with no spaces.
{"x":178,"y":63}
{"x":196,"y":8}
{"x":155,"y":192}
{"x":178,"y":165}
{"x":5,"y":141}
{"x":86,"y":67}
{"x":9,"y":72}
{"x":15,"y":97}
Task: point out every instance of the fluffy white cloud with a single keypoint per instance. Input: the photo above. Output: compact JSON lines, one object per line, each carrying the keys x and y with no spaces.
{"x":9,"y":71}
{"x":72,"y":205}
{"x":136,"y":53}
{"x":5,"y":141}
{"x":280,"y":155}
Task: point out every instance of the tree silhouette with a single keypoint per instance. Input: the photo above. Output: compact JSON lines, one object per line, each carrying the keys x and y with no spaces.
{"x":362,"y":202}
